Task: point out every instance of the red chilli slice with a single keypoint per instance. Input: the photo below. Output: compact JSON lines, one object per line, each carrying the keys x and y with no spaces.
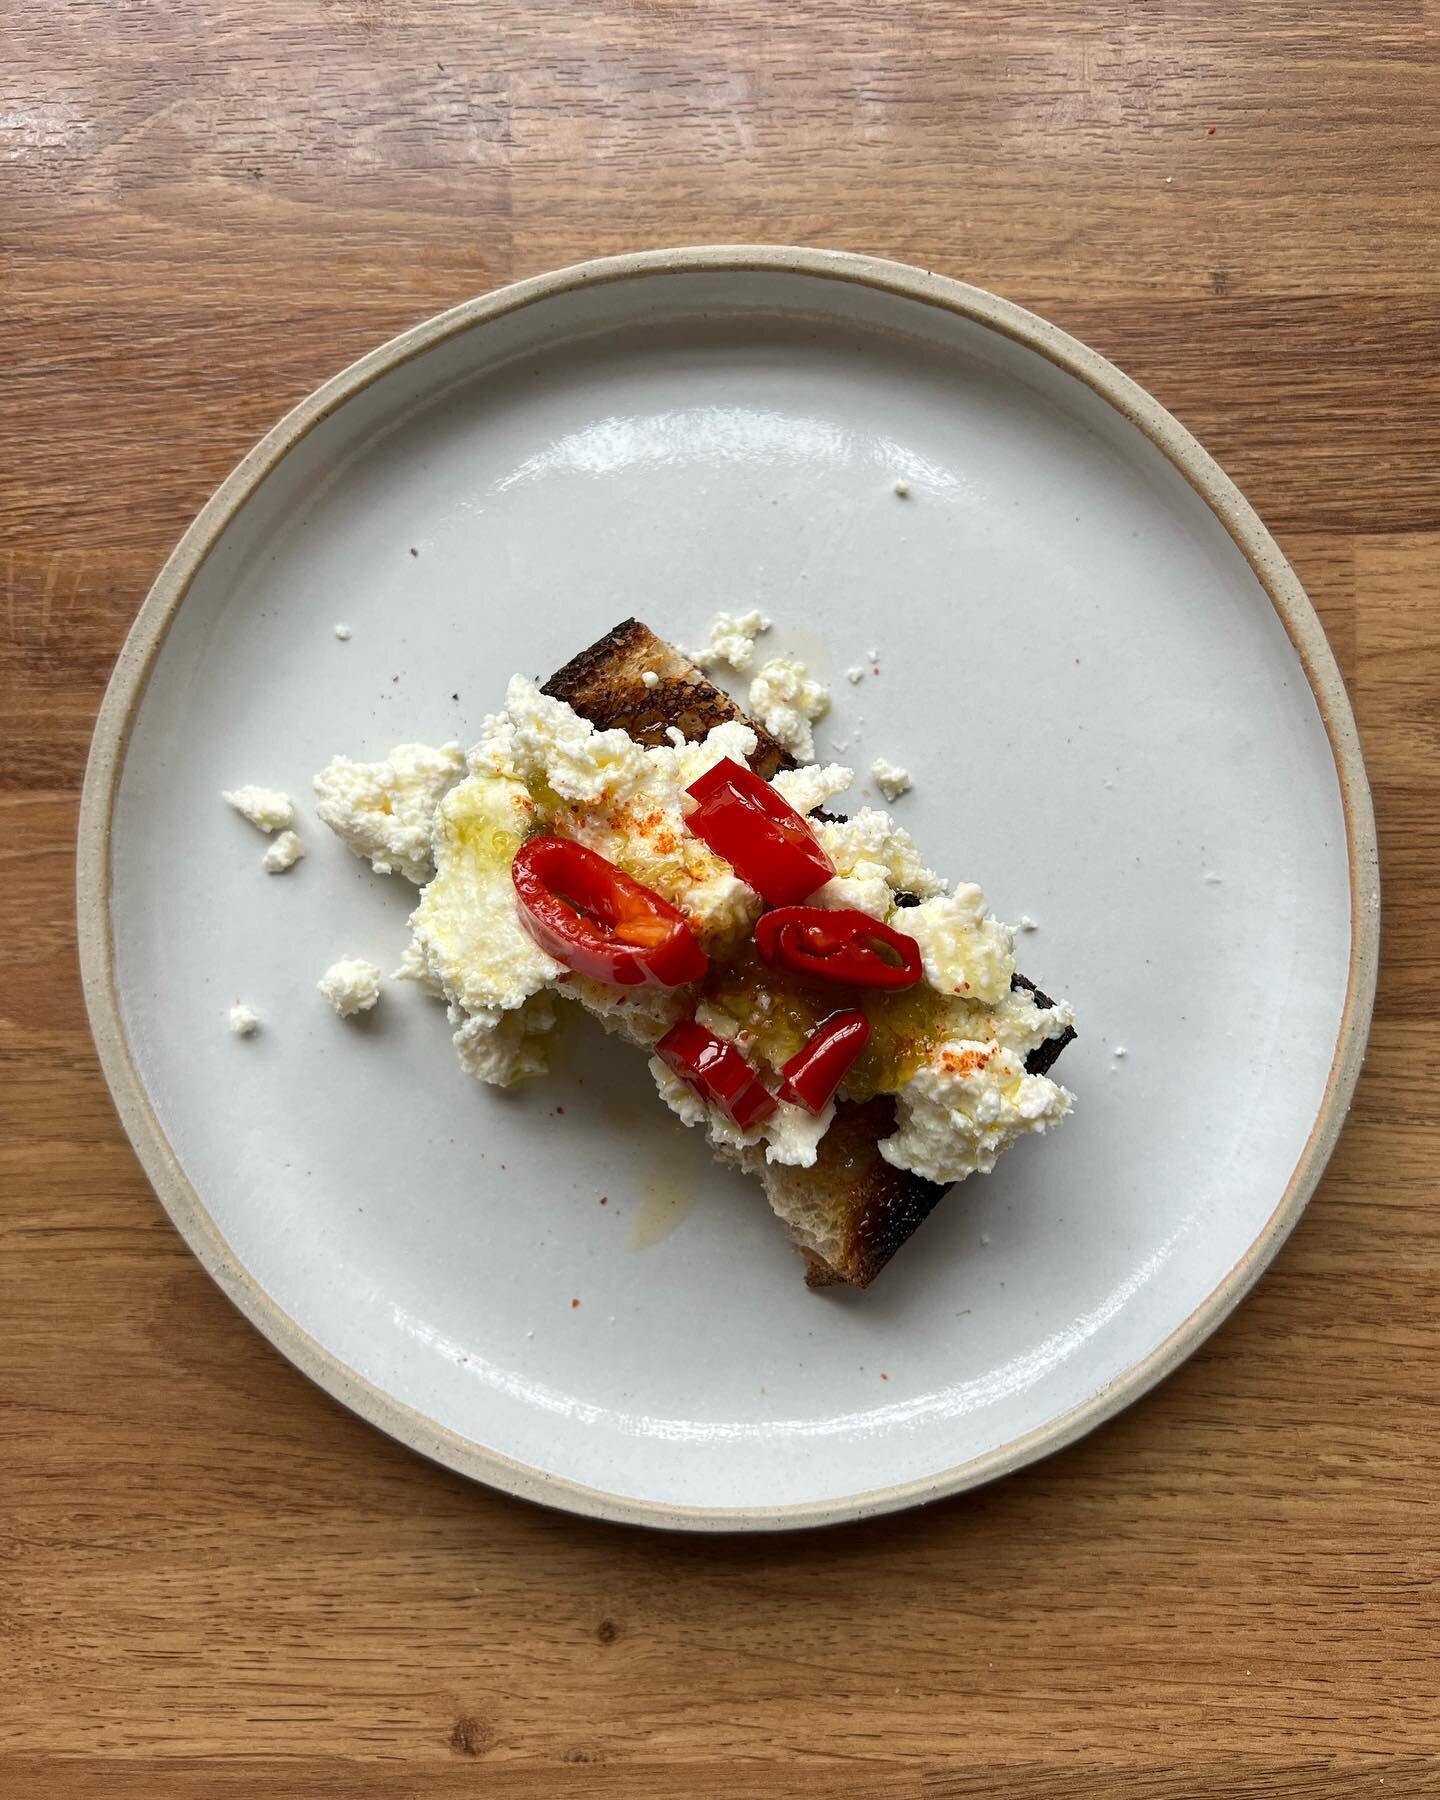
{"x":717,"y":1072}
{"x":762,"y":837}
{"x":840,"y":945}
{"x":599,"y":921}
{"x":812,"y":1077}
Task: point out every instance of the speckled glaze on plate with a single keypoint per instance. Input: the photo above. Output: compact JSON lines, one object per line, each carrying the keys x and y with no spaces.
{"x":1122,"y":717}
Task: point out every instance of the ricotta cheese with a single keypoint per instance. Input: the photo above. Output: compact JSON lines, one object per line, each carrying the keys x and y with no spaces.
{"x":244,"y":1020}
{"x":413,"y":967}
{"x":787,"y":702}
{"x":503,"y":1048}
{"x":467,"y":932}
{"x":732,"y":641}
{"x":890,"y":778}
{"x":965,"y":1106}
{"x":384,"y":810}
{"x":266,"y":808}
{"x":351,"y":985}
{"x":283,"y":854}
{"x":963,"y":950}
{"x":812,"y":784}
{"x":874,"y":860}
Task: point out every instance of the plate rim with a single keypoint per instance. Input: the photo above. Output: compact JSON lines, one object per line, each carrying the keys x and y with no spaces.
{"x":126,"y":689}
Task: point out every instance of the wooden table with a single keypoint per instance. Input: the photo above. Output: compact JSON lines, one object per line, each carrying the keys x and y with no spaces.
{"x":214,"y":1581}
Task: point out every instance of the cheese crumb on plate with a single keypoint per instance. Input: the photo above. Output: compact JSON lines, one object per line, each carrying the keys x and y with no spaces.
{"x":244,"y":1020}
{"x":732,"y":641}
{"x":890,"y":778}
{"x":351,"y":985}
{"x":283,"y":854}
{"x":266,"y":808}
{"x":386,"y":810}
{"x":787,"y":701}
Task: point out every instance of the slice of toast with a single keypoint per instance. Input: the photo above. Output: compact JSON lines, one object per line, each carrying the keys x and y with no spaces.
{"x":606,"y":685}
{"x":852,"y":1210}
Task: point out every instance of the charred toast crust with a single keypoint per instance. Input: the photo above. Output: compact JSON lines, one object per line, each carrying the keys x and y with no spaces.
{"x":888,"y":1204}
{"x":881,"y":1205}
{"x":1042,"y":1058}
{"x":606,"y":685}
{"x":884,"y":1205}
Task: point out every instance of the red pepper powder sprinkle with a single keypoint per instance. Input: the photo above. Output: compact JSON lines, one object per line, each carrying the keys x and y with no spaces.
{"x":604,"y":1199}
{"x":574,"y":1303}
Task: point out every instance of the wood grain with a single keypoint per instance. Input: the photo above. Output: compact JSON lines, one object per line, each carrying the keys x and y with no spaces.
{"x":215,"y":1582}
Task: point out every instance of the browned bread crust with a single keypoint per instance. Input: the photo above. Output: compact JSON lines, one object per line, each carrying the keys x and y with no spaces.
{"x":605,"y":685}
{"x":852,"y":1201}
{"x":874,"y":1206}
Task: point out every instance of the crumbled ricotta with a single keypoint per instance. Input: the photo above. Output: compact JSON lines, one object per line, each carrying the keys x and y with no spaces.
{"x":874,"y":860}
{"x":351,"y":985}
{"x":732,"y":641}
{"x":1022,"y":1025}
{"x":791,"y":1134}
{"x":384,"y":810}
{"x":244,"y":1020}
{"x":283,"y":854}
{"x":812,"y":784}
{"x":342,"y":632}
{"x":650,"y":678}
{"x":890,"y":778}
{"x":964,"y":952}
{"x":855,"y":675}
{"x":266,"y":808}
{"x":413,"y":967}
{"x":467,"y":930}
{"x":787,"y":702}
{"x":503,"y":1048}
{"x":966,"y":1105}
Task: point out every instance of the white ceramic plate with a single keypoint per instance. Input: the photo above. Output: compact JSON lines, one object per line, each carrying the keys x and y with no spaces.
{"x":1122,"y":718}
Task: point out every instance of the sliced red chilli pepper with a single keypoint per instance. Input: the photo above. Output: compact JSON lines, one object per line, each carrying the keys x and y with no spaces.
{"x":717,"y":1072}
{"x":842,"y":945}
{"x":812,"y":1076}
{"x":762,"y":837}
{"x":599,"y":921}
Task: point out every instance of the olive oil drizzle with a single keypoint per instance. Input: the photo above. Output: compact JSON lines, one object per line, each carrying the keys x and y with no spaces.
{"x":780,"y":1010}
